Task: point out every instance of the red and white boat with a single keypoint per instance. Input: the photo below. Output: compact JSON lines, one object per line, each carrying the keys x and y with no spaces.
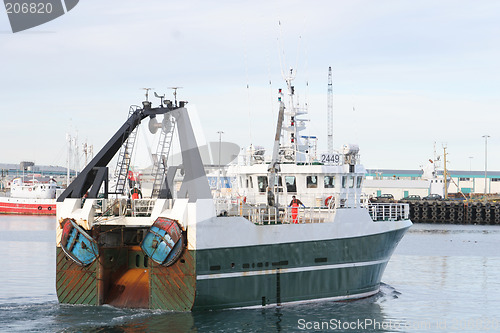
{"x":33,"y":197}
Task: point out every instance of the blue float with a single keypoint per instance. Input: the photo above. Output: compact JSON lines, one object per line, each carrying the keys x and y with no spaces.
{"x":163,"y":243}
{"x":77,"y":244}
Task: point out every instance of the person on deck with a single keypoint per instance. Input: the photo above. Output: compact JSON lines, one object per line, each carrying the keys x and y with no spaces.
{"x":295,"y":205}
{"x":136,"y":193}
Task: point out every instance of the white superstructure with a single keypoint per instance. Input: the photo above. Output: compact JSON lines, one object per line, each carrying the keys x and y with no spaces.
{"x":33,"y":189}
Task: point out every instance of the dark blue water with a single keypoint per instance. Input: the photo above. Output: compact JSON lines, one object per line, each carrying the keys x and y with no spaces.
{"x":441,"y":279}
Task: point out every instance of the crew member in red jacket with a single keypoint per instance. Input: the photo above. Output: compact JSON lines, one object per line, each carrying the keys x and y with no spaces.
{"x":136,"y":193}
{"x":295,"y":205}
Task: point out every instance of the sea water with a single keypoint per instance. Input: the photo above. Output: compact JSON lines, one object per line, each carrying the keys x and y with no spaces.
{"x":442,"y":278}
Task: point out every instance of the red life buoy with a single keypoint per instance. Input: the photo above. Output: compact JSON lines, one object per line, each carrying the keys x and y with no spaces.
{"x":327,"y":200}
{"x":30,"y":189}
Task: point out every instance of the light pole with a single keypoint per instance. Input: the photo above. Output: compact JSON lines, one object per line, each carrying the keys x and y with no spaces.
{"x":485,"y":162}
{"x":470,"y":162}
{"x":219,"y":185}
{"x":445,"y":174}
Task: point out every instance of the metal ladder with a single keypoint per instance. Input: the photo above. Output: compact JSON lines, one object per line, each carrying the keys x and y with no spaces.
{"x":125,"y":157}
{"x":162,"y":152}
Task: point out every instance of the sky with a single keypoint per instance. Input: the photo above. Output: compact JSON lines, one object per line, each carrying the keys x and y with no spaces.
{"x":408,"y":75}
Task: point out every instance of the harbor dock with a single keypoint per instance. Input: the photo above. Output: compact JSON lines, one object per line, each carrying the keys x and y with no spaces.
{"x":455,"y":212}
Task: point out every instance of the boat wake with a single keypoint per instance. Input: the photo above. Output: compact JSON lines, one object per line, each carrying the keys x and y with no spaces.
{"x":54,"y":317}
{"x":387,"y":292}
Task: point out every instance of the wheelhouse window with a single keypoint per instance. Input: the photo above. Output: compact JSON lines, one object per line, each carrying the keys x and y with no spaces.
{"x":344,"y":181}
{"x":262,"y":183}
{"x":291,"y":186}
{"x":329,"y":181}
{"x":251,"y":182}
{"x":351,"y":181}
{"x":278,"y":181}
{"x":312,"y":181}
{"x":359,"y":181}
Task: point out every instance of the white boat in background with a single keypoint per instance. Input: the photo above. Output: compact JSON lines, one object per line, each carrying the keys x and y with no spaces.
{"x":36,"y":196}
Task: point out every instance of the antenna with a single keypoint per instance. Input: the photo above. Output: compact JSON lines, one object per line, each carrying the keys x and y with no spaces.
{"x":147,"y":92}
{"x":147,"y":104}
{"x":290,"y":75}
{"x":330,"y":112}
{"x":281,"y":49}
{"x":175,"y":93}
{"x":445,"y":172}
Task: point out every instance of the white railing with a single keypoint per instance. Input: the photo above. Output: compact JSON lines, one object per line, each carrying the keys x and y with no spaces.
{"x":286,"y":215}
{"x":109,"y":207}
{"x":263,"y":214}
{"x":122,"y":207}
{"x":388,"y":211}
{"x":142,"y":207}
{"x":258,"y":214}
{"x":309,"y":214}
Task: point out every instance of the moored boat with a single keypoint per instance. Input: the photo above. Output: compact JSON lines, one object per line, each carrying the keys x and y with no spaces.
{"x":30,"y":197}
{"x":182,"y":253}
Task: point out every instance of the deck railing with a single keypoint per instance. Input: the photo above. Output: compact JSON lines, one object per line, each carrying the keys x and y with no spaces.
{"x":286,"y":215}
{"x":123,"y":207}
{"x":258,"y":214}
{"x":263,"y":214}
{"x":388,"y":211}
{"x":142,"y":207}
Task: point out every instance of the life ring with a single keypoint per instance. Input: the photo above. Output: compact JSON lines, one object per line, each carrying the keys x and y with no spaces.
{"x":327,"y":201}
{"x":39,"y":207}
{"x":30,"y":189}
{"x":50,"y":208}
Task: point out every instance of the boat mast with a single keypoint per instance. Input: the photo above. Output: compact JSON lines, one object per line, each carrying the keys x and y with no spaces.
{"x":274,"y":166}
{"x":330,"y":112}
{"x":291,"y":91}
{"x":445,"y":174}
{"x":68,"y":161}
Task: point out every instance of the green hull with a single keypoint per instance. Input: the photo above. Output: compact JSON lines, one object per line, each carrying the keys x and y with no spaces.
{"x":75,"y":284}
{"x":273,"y":274}
{"x":231,"y":277}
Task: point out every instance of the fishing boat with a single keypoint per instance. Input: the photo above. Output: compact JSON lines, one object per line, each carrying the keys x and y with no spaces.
{"x":179,"y":250}
{"x":30,"y":197}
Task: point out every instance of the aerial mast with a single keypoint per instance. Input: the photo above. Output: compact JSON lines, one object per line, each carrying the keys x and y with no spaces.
{"x":445,"y":174}
{"x":175,"y":94}
{"x":330,"y":112}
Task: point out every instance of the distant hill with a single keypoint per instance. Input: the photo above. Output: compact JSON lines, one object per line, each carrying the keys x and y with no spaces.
{"x":35,"y":168}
